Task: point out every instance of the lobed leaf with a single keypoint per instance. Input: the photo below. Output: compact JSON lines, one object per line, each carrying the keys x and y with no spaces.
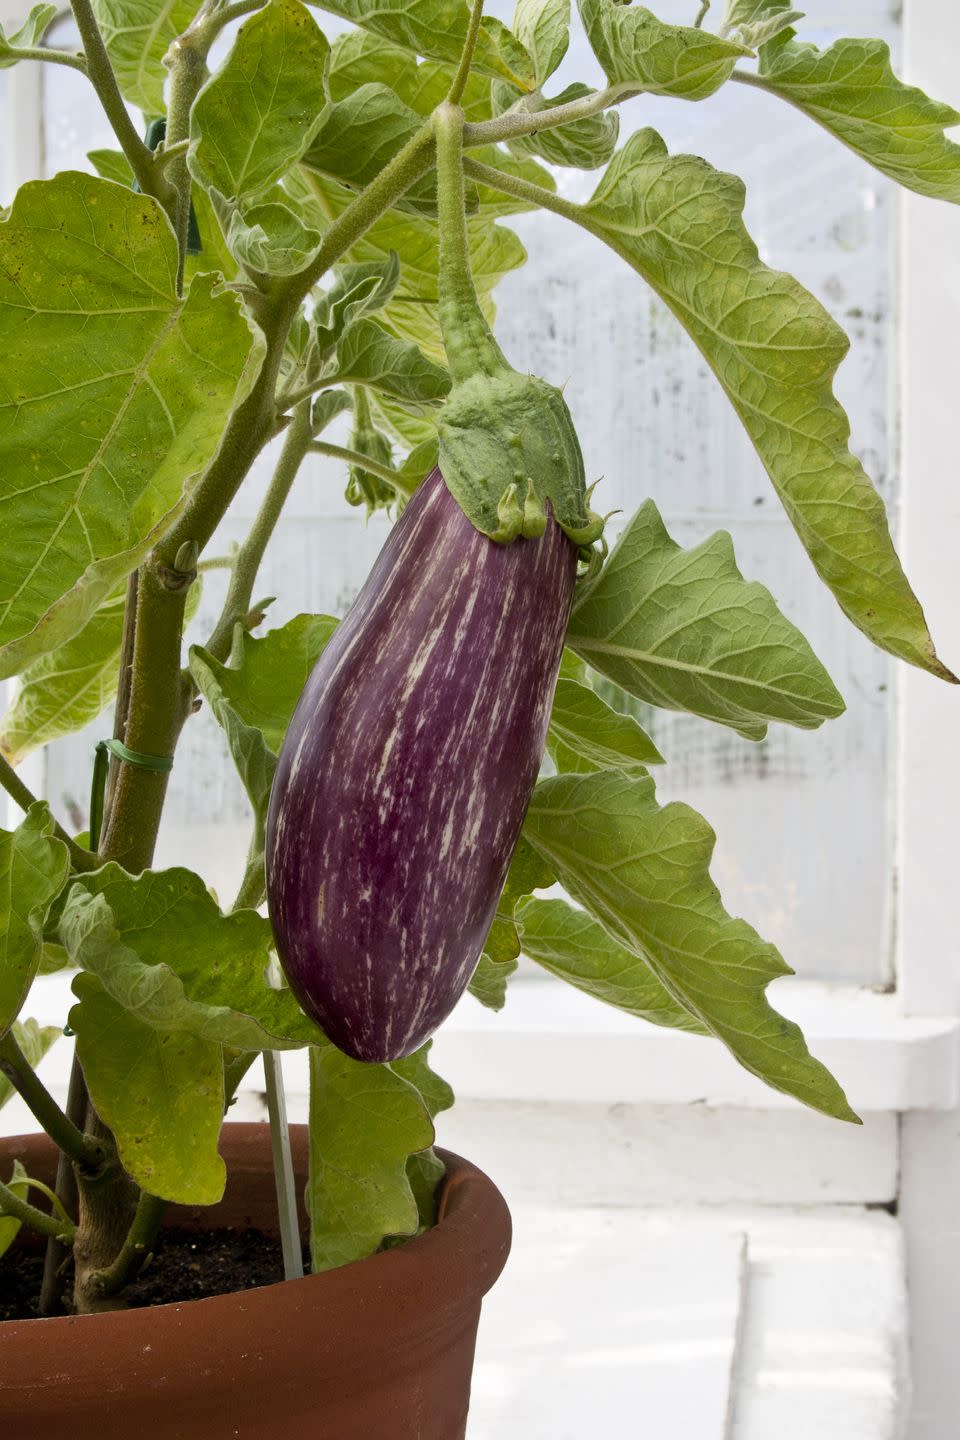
{"x":576,"y":948}
{"x":683,"y":630}
{"x":488,"y":984}
{"x":774,"y":349}
{"x":365,"y":1123}
{"x":438,"y":28}
{"x":160,"y":947}
{"x":587,"y":734}
{"x":367,"y":355}
{"x":34,"y":866}
{"x":160,"y":1093}
{"x":359,"y":135}
{"x":543,"y":28}
{"x":34,"y":1041}
{"x":112,"y":401}
{"x":851,"y":90}
{"x":643,"y":872}
{"x":639,"y":51}
{"x":256,"y":115}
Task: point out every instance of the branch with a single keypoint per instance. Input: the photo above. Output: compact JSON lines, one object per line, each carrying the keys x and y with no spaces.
{"x":24,"y":1079}
{"x":52,"y":57}
{"x":459,"y":84}
{"x":529,"y":122}
{"x":27,"y":1214}
{"x":363,"y":462}
{"x":80,"y":859}
{"x":522,"y":189}
{"x":248,"y":558}
{"x":135,"y":1248}
{"x":104,"y":81}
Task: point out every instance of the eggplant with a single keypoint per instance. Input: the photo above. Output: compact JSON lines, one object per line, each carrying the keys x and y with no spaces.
{"x":406,"y":772}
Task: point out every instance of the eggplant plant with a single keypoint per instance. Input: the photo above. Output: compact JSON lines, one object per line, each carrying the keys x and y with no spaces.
{"x":315,"y":232}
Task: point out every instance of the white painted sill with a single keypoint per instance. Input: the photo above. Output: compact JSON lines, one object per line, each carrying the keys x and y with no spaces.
{"x":552,"y":1043}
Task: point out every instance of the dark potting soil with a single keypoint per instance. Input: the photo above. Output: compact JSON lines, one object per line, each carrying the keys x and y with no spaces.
{"x":186,"y":1265}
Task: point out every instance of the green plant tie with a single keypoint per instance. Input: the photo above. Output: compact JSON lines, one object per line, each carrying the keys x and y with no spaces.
{"x":101,"y":765}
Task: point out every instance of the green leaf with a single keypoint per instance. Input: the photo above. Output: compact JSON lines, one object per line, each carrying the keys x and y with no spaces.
{"x":357,"y":290}
{"x":682,"y":629}
{"x":113,"y":398}
{"x":755,"y":22}
{"x":576,"y":948}
{"x":138,"y":33}
{"x":411,"y":313}
{"x":161,"y":948}
{"x":360,"y":134}
{"x":528,"y":872}
{"x":367,"y":355}
{"x":34,"y":866}
{"x":581,"y":144}
{"x":68,"y":687}
{"x":326,"y":407}
{"x":361,"y":58}
{"x":852,"y":91}
{"x":30,"y":34}
{"x":433,"y":1090}
{"x":112,"y":165}
{"x":643,"y":872}
{"x":267,"y":673}
{"x":365,"y":1123}
{"x":160,"y":1092}
{"x":774,"y":349}
{"x":257,"y":114}
{"x":489,"y":981}
{"x":271,"y":239}
{"x":409,"y":426}
{"x":586,"y":734}
{"x":543,"y":28}
{"x":9,"y":1224}
{"x":642,"y":53}
{"x":34,"y":1041}
{"x":438,"y":28}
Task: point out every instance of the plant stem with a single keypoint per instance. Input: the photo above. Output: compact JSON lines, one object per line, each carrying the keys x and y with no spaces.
{"x":414,"y":160}
{"x":104,"y":82}
{"x":62,"y":1131}
{"x":523,"y":190}
{"x":363,"y":462}
{"x":470,"y":346}
{"x":168,"y":153}
{"x":466,"y":59}
{"x":701,"y":14}
{"x":80,"y":859}
{"x":52,"y":57}
{"x":22,"y":1210}
{"x":52,"y":1196}
{"x":51,"y":1291}
{"x":528,"y":122}
{"x":250,"y":555}
{"x":135,"y":1248}
{"x":187,"y":61}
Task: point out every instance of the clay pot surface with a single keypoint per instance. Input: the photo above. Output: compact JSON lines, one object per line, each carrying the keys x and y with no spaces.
{"x":378,"y":1350}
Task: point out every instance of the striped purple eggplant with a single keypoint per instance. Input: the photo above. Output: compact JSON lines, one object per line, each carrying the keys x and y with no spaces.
{"x":406,"y":772}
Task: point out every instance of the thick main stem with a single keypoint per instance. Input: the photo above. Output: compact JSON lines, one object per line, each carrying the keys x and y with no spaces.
{"x":470,"y":346}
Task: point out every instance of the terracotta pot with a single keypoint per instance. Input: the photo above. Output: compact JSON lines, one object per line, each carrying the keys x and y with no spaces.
{"x":378,"y":1350}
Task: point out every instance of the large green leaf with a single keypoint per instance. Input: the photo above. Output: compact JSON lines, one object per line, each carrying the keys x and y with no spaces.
{"x":267,"y":673}
{"x":365,"y":1123}
{"x":682,"y":629}
{"x":138,"y":33}
{"x":256,"y":115}
{"x":851,"y":90}
{"x":528,"y":872}
{"x":576,"y":948}
{"x":113,"y":398}
{"x":362,"y":58}
{"x":30,"y":34}
{"x":412,"y":311}
{"x":488,"y":984}
{"x":159,"y":1091}
{"x":543,"y":28}
{"x":642,"y":53}
{"x":68,"y":687}
{"x":34,"y":866}
{"x":367,"y":355}
{"x":586,"y":734}
{"x":160,"y":946}
{"x":643,"y":872}
{"x":774,"y":349}
{"x":425,"y":1169}
{"x":359,"y":135}
{"x":34,"y":1041}
{"x":438,"y":28}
